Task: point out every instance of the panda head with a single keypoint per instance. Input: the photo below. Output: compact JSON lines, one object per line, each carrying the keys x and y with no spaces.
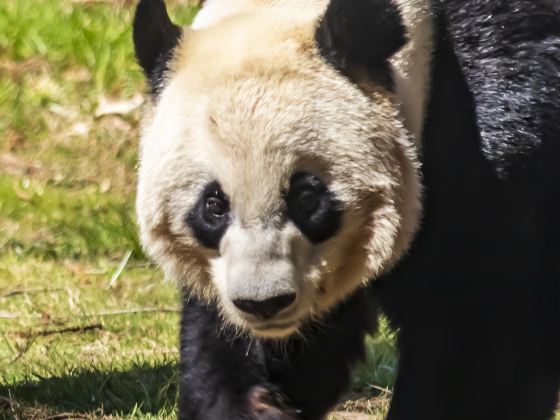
{"x":276,"y":176}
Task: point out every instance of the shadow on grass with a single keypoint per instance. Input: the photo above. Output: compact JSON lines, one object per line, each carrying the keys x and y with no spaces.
{"x":145,"y":389}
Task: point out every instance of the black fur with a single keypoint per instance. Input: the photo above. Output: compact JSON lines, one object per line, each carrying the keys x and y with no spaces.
{"x":511,"y":65}
{"x":154,"y":36}
{"x":206,"y":228}
{"x":363,"y":34}
{"x":220,"y":371}
{"x":312,"y":207}
{"x":478,"y":299}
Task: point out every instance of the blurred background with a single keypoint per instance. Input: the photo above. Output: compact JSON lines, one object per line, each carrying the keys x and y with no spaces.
{"x":88,"y":327}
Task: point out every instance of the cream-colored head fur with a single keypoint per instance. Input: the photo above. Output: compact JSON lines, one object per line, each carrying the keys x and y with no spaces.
{"x":249,"y":103}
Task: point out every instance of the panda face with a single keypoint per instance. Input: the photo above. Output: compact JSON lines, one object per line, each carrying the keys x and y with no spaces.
{"x":269,"y":182}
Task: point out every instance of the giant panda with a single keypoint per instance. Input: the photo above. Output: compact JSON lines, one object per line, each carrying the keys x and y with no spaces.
{"x":279,"y":185}
{"x":276,"y":177}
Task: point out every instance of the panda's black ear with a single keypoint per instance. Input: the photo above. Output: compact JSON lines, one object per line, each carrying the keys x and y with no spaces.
{"x":154,"y":36}
{"x":360,"y":32}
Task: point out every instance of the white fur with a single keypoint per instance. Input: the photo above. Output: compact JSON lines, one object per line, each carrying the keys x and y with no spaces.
{"x":411,"y":65}
{"x":215,"y":11}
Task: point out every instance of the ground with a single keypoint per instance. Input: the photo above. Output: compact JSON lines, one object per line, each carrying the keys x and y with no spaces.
{"x":88,"y":329}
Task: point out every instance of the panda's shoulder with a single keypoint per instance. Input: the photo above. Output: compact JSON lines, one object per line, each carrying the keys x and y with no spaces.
{"x":508,"y":52}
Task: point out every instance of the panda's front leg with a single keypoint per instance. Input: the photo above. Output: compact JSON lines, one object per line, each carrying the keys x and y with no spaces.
{"x":221,"y":375}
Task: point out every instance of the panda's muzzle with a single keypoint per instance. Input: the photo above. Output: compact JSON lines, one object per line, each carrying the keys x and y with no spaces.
{"x":267,"y":308}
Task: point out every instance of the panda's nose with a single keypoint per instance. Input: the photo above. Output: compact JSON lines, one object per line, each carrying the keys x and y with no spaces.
{"x":267,"y":308}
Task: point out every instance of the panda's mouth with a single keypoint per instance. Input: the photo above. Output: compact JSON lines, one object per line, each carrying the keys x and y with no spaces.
{"x":275,"y":329}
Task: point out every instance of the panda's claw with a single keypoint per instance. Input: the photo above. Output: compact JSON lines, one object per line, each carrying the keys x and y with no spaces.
{"x":265,"y":404}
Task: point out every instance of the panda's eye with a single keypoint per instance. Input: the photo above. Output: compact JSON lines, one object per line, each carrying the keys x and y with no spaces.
{"x":313,"y":207}
{"x":216,"y":207}
{"x":308,"y":202}
{"x":209,"y":218}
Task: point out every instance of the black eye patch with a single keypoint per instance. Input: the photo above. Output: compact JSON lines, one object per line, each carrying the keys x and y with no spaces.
{"x":210,"y":216}
{"x":313,"y":207}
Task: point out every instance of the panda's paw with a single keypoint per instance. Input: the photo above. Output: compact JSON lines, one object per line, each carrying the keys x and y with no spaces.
{"x":265,"y":404}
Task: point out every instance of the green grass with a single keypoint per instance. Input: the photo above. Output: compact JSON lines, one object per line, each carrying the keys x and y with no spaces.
{"x":46,"y":220}
{"x":76,"y":344}
{"x":380,"y":367}
{"x":58,"y":60}
{"x":68,"y":341}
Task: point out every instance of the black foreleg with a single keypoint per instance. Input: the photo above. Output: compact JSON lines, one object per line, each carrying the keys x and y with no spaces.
{"x":222,"y":376}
